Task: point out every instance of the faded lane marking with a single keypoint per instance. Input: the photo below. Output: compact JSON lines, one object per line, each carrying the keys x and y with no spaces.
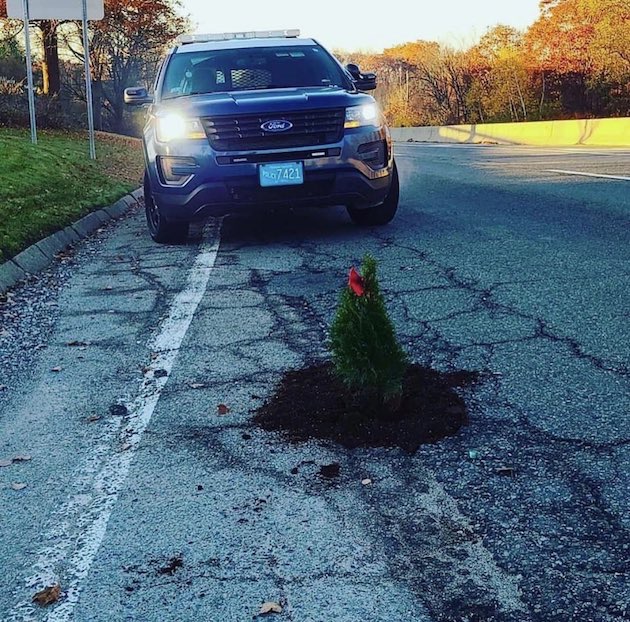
{"x":479,"y":566}
{"x":600,"y":175}
{"x":77,"y":529}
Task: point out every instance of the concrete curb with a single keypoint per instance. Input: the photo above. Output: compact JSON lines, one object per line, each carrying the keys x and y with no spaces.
{"x":40,"y":255}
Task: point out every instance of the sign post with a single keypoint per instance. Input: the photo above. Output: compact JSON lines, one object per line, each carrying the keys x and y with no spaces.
{"x":88,"y":82}
{"x":83,"y":10}
{"x":29,"y":73}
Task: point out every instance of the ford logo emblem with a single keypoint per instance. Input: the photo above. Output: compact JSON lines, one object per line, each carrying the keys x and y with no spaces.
{"x":276,"y":125}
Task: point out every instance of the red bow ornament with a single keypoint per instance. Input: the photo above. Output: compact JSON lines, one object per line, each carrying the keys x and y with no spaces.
{"x":356,"y":282}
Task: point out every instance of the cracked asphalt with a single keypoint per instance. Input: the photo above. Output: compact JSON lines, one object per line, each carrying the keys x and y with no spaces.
{"x":145,"y":503}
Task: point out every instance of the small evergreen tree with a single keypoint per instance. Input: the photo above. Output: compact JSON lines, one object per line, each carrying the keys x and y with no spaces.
{"x":365,"y":352}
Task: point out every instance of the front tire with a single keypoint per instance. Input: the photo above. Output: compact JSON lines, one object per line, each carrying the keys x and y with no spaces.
{"x":383,"y":213}
{"x":160,"y":229}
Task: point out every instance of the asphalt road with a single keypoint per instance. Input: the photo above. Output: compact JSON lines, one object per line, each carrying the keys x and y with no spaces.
{"x":146,"y":504}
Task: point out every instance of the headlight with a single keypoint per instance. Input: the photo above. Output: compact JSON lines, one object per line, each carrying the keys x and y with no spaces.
{"x":176,"y":127}
{"x":357,"y":116}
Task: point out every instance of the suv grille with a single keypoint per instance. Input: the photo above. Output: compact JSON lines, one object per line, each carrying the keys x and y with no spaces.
{"x":243,"y":132}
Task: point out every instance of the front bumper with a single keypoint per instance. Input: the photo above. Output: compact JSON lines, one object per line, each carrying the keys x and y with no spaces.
{"x":217,"y":189}
{"x":241,"y":194}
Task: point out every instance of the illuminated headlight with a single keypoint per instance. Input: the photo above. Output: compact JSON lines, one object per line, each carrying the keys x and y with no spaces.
{"x":357,"y":116}
{"x":177,"y":127}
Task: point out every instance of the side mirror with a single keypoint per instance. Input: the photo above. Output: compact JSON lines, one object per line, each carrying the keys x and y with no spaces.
{"x":354,"y":71}
{"x":363,"y":81}
{"x":137,"y":96}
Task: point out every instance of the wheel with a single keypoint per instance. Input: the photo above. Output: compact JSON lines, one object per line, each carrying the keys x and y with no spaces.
{"x":383,"y":213}
{"x":160,"y":229}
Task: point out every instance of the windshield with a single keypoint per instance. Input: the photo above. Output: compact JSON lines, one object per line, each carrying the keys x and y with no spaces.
{"x":213,"y":71}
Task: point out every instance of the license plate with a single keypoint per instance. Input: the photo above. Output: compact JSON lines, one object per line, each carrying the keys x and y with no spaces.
{"x":281,"y":174}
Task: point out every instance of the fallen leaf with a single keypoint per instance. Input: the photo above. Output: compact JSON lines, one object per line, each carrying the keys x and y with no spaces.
{"x":118,"y":410}
{"x":270,"y":607}
{"x":18,"y":485}
{"x":222,"y":409}
{"x":5,"y":463}
{"x":366,"y":482}
{"x":48,"y":595}
{"x":197,"y":385}
{"x":22,"y":458}
{"x":56,"y":369}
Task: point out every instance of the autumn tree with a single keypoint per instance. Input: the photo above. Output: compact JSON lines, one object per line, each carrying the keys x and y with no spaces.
{"x":12,"y":64}
{"x":584,"y":45}
{"x":573,"y":61}
{"x":125,"y":48}
{"x":610,"y":45}
{"x":437,"y":79}
{"x":47,"y":32}
{"x":610,"y":52}
{"x":501,"y":88}
{"x":51,"y":74}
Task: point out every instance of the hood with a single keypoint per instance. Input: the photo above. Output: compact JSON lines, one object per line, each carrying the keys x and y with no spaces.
{"x":265,"y":102}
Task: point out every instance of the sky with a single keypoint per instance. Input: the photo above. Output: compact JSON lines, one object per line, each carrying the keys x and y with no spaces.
{"x":365,"y":25}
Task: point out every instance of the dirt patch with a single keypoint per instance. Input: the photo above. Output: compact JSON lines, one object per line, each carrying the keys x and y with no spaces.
{"x":311,"y":403}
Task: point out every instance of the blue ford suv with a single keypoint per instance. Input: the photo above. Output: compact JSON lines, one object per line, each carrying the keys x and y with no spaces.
{"x":250,"y":120}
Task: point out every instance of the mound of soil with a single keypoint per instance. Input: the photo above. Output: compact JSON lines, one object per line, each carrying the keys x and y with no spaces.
{"x":312,"y":403}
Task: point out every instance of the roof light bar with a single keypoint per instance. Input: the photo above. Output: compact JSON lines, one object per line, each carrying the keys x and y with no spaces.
{"x":228,"y":36}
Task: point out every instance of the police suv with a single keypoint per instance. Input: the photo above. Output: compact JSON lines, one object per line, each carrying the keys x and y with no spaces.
{"x":256,"y":119}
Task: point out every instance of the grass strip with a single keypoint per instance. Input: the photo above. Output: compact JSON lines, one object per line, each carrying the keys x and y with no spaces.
{"x":45,"y":187}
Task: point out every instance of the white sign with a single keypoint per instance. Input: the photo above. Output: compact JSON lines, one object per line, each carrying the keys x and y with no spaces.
{"x":56,"y":9}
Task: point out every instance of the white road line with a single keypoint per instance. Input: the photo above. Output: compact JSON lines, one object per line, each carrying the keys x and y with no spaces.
{"x":482,"y":568}
{"x":77,"y":529}
{"x":602,"y":176}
